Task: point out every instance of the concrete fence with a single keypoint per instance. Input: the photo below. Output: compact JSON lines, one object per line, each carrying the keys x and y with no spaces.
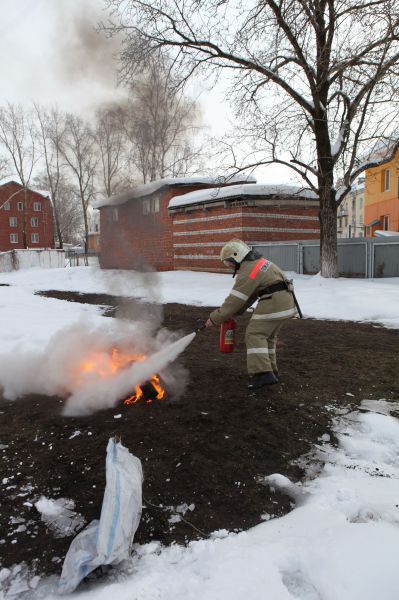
{"x":26,"y":259}
{"x":357,"y":257}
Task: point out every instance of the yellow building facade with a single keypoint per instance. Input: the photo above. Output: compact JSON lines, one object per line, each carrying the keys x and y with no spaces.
{"x":381,"y":203}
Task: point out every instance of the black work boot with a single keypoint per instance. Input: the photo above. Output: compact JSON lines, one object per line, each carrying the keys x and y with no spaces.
{"x":261,"y":379}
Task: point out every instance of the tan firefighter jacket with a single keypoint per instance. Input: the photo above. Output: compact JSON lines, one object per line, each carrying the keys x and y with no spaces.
{"x":251,"y":279}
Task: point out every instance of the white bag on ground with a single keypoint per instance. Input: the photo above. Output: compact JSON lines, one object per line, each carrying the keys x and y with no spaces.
{"x":109,"y":540}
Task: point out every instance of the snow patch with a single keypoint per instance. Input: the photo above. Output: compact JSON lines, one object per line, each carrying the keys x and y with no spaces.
{"x":59,"y":516}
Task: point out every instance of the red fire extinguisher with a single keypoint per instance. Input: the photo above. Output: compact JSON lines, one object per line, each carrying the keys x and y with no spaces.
{"x":227,"y":336}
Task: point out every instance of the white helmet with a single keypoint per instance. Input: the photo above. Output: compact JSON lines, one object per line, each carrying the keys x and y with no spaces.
{"x":235,"y":250}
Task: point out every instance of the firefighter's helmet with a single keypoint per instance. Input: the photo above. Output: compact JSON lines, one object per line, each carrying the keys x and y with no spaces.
{"x":235,"y":250}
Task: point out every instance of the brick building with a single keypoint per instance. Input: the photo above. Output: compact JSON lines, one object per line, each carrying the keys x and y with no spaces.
{"x":31,"y":212}
{"x":350,"y":217}
{"x":183,"y":223}
{"x":381,"y":210}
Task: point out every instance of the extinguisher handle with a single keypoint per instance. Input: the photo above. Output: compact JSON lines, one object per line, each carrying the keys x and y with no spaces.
{"x":201,"y":328}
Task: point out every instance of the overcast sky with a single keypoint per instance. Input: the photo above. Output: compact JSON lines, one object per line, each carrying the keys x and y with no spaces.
{"x":51,"y":54}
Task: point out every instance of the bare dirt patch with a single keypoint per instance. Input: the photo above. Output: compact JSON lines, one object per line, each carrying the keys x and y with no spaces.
{"x":206,"y":450}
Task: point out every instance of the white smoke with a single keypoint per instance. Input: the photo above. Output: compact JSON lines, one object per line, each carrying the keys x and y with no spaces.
{"x":56,"y":370}
{"x":108,"y":392}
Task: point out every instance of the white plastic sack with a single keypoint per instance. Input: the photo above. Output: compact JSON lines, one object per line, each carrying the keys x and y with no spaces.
{"x":108,"y":541}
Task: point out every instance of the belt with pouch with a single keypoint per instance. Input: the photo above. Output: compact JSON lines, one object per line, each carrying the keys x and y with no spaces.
{"x":277,"y":287}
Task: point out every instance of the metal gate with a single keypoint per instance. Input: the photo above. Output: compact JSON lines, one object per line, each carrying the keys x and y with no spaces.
{"x":357,"y":257}
{"x":385,"y":260}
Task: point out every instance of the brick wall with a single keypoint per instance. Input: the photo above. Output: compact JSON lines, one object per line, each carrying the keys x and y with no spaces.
{"x":137,"y":240}
{"x":191,"y":238}
{"x":14,"y":193}
{"x":198,"y":235}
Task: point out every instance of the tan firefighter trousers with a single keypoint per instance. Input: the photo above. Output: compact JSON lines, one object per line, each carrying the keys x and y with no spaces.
{"x":261,"y":341}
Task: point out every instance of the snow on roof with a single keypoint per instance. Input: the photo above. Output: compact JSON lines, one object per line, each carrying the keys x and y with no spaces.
{"x":382,"y":233}
{"x":154,"y":186}
{"x":44,"y":193}
{"x":233,"y":191}
{"x":382,"y":151}
{"x":8,"y":180}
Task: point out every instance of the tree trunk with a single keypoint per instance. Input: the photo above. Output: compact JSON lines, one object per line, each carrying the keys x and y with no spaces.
{"x":328,"y":233}
{"x":327,"y":193}
{"x":24,"y":233}
{"x":58,"y":229}
{"x":86,"y":259}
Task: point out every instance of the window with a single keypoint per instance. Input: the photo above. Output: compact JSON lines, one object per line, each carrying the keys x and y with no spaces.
{"x":14,"y":238}
{"x":34,"y":221}
{"x":115,"y":214}
{"x":20,"y":206}
{"x":13,"y":221}
{"x":387,"y":179}
{"x":146,"y":207}
{"x":385,"y":222}
{"x":155,"y":204}
{"x":6,"y":205}
{"x":34,"y":238}
{"x":37,"y":206}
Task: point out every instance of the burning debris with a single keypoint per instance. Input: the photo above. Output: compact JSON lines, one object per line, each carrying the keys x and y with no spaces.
{"x":150,"y":391}
{"x":108,"y":377}
{"x":95,"y":368}
{"x":106,"y":365}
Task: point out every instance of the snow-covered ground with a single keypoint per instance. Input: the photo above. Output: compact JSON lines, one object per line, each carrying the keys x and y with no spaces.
{"x":375,"y":300}
{"x":339,"y":543}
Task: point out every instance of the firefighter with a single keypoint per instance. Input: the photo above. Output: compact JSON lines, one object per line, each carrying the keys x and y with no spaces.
{"x":257,"y":279}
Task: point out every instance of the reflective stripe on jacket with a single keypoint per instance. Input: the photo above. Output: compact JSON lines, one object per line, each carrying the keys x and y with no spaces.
{"x":252,"y":276}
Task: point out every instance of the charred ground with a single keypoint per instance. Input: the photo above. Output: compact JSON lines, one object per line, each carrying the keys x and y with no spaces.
{"x":208,"y":449}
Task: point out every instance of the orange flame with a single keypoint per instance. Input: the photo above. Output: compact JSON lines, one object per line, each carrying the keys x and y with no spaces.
{"x":105,"y":365}
{"x":156,"y":384}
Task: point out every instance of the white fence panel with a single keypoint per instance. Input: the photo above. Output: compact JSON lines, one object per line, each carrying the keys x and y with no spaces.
{"x":27,"y":259}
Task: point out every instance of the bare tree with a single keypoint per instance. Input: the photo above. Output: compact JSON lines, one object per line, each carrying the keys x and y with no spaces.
{"x":316,"y":79}
{"x":161,"y":122}
{"x":18,"y":138}
{"x":4,"y":168}
{"x":78,"y":148}
{"x":69,"y":213}
{"x":51,"y":126}
{"x":112,"y":144}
